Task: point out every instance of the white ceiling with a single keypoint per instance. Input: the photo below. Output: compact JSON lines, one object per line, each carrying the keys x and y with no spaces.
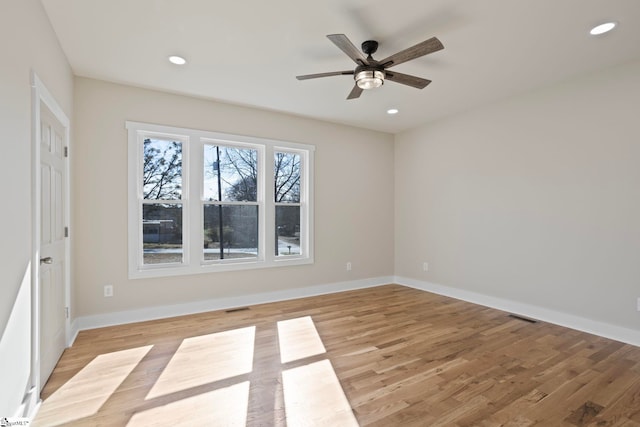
{"x":248,"y":52}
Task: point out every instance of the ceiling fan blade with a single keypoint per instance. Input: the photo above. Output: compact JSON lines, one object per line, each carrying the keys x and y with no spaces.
{"x":355,"y":92}
{"x":421,"y":49}
{"x":406,"y":79}
{"x":332,"y":73}
{"x":347,"y":47}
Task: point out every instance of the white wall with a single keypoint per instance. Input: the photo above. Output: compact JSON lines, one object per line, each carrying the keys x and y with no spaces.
{"x":534,"y":200}
{"x":353,"y":199}
{"x":27,"y":43}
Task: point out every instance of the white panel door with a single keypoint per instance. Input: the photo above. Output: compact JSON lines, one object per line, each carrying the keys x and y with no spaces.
{"x":53,"y":173}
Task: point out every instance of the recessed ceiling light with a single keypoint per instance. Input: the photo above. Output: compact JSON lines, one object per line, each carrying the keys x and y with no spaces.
{"x":602,"y":28}
{"x":392,"y":111}
{"x":178,"y":60}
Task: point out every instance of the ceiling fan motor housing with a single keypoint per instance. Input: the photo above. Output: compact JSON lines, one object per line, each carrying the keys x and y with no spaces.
{"x":369,"y":47}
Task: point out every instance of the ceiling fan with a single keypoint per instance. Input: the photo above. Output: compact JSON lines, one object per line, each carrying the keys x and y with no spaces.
{"x":369,"y":73}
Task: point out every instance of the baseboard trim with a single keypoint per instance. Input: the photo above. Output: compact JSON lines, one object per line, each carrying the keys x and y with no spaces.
{"x":152,"y":313}
{"x":606,"y":330}
{"x":73,"y":330}
{"x":30,"y":405}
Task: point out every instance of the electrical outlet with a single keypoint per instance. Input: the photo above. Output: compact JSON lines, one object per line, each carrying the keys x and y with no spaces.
{"x":349,"y":266}
{"x":425,"y":266}
{"x":108,"y":290}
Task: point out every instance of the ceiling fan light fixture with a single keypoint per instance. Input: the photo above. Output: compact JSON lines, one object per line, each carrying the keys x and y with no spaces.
{"x":369,"y":79}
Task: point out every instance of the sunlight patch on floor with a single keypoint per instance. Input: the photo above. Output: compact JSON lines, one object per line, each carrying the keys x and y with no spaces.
{"x":84,"y":394}
{"x":298,"y":339}
{"x":205,"y":359}
{"x":221,"y":407}
{"x":313,"y":397}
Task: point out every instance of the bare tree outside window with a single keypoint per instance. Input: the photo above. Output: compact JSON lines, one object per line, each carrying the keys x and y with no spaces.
{"x":162,"y":171}
{"x":231,"y":175}
{"x":162,"y":185}
{"x":231,"y":227}
{"x":287,"y":200}
{"x":287,"y":174}
{"x":242,"y":165}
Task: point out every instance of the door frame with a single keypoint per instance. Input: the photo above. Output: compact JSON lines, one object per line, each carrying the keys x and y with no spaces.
{"x":40,"y":95}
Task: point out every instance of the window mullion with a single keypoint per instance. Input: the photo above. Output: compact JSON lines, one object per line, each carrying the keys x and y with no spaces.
{"x":194,"y":178}
{"x":306,"y":208}
{"x":268,"y":229}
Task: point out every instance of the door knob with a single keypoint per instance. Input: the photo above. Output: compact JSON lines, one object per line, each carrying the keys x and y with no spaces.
{"x":47,"y":260}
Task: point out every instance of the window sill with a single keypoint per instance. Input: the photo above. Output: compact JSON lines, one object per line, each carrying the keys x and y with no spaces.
{"x":216,"y":267}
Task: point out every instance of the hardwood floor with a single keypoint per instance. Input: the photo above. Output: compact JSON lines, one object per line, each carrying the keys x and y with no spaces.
{"x":386,"y":356}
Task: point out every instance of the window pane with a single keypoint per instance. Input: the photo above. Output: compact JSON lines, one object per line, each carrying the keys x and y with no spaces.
{"x":287,"y":173}
{"x":288,"y":230}
{"x":230,"y":174}
{"x":162,"y":171}
{"x":238,"y":228}
{"x":162,"y":233}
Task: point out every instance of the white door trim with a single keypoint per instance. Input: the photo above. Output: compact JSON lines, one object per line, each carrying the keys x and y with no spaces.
{"x":41,"y":95}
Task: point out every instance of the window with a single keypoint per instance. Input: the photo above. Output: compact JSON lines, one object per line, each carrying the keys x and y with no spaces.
{"x":230,"y":205}
{"x":203,"y":201}
{"x":287,"y":202}
{"x":162,"y":201}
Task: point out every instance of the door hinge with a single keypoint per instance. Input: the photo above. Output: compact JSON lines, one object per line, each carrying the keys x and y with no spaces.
{"x":66,"y":232}
{"x":66,"y":151}
{"x":66,"y":312}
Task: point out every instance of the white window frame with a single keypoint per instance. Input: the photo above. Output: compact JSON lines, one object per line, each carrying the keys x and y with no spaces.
{"x":193,"y":142}
{"x":303,"y":203}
